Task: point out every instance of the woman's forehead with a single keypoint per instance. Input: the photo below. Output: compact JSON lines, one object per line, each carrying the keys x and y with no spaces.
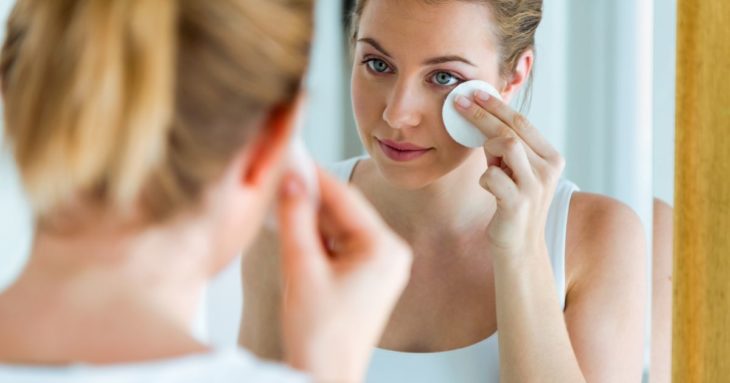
{"x":424,"y":29}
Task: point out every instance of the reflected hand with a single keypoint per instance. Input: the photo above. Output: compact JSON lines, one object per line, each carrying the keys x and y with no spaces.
{"x":343,"y":272}
{"x":522,"y":173}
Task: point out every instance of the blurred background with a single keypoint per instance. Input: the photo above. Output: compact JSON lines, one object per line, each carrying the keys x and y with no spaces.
{"x":603,"y":95}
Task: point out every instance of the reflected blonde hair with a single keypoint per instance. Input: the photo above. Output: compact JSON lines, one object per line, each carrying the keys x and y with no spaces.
{"x":143,"y":102}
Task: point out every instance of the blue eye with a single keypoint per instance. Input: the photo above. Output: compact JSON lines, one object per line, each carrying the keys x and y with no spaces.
{"x":444,"y":79}
{"x":377,"y":65}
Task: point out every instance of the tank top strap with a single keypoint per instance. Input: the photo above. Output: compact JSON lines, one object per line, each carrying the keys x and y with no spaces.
{"x":342,"y":170}
{"x":556,"y":228}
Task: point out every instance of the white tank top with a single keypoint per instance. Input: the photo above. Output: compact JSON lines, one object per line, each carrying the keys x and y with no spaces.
{"x":479,"y":362}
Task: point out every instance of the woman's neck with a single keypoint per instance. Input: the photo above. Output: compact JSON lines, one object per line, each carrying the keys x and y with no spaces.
{"x":105,"y":296}
{"x":452,"y":206}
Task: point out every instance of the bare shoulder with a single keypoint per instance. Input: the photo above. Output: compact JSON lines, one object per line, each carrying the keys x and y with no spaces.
{"x":606,"y":287}
{"x":603,"y":234}
{"x":662,"y":208}
{"x":663,"y":218}
{"x":662,"y":237}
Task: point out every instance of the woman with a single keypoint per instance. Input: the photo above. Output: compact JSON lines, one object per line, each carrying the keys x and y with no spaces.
{"x":151,"y":135}
{"x":501,"y":243}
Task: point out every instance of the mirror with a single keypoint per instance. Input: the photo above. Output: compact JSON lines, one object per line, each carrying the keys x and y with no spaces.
{"x":603,"y":96}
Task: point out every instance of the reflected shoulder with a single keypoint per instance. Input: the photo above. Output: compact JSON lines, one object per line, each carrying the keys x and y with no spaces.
{"x":663,"y":217}
{"x":603,"y":234}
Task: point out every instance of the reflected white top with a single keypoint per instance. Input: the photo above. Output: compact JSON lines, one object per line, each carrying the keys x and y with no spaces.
{"x":478,"y":363}
{"x":231,"y":365}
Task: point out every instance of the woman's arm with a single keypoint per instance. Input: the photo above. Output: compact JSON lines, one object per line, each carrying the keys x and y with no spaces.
{"x":606,"y":288}
{"x":336,"y":299}
{"x":661,"y":303}
{"x":260,"y":330}
{"x":602,"y":328}
{"x":600,"y":337}
{"x":534,"y":343}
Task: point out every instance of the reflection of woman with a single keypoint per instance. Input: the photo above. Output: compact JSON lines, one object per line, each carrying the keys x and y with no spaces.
{"x":150,"y":135}
{"x":500,"y":241}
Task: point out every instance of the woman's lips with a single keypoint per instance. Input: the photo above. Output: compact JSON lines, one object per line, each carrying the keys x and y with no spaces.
{"x":401,"y":151}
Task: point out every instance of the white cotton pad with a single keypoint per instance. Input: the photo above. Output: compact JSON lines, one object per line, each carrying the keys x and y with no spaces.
{"x":458,"y":127}
{"x":301,"y":162}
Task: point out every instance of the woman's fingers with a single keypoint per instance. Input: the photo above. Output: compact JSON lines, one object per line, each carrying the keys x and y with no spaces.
{"x":345,"y":212}
{"x":513,"y":154}
{"x":301,"y":247}
{"x":517,"y":122}
{"x":495,"y":118}
{"x":486,"y":122}
{"x":497,"y":182}
{"x":490,"y":125}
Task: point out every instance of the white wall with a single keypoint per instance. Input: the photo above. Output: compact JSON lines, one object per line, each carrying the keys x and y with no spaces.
{"x":323,"y":131}
{"x":665,"y":47}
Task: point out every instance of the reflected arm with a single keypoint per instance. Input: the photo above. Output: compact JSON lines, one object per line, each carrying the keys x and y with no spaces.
{"x":599,"y":337}
{"x":606,"y":296}
{"x":661,"y":315}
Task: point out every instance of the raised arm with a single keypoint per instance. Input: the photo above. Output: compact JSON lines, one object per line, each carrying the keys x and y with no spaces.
{"x":606,"y":289}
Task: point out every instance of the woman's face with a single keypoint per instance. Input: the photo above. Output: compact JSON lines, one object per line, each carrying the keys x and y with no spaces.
{"x":408,"y":56}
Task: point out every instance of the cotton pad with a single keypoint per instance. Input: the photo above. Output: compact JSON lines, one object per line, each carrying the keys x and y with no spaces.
{"x":299,"y":161}
{"x":458,"y":127}
{"x":302,"y":163}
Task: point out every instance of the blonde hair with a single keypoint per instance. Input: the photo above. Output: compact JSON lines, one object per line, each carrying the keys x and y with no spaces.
{"x":125,"y":102}
{"x":515,"y":23}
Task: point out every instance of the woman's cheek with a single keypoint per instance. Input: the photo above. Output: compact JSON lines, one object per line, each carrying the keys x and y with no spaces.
{"x":366,"y":98}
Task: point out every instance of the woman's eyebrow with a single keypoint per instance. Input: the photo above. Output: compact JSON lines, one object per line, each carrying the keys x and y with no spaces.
{"x":445,"y":59}
{"x":431,"y":61}
{"x":375,"y":45}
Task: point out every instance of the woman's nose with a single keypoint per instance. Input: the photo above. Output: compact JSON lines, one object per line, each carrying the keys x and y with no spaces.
{"x":404,"y":109}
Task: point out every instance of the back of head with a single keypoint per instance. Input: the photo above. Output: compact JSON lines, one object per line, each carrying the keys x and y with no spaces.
{"x":142,"y":102}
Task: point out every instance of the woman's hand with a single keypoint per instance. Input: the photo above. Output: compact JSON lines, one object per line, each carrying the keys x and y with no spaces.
{"x":522,"y":174}
{"x":343,"y":272}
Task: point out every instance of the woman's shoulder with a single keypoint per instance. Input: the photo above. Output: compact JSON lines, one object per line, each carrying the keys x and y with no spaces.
{"x":600,"y":209}
{"x":603,"y":234}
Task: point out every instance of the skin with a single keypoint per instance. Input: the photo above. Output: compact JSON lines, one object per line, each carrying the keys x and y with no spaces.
{"x":123,"y":290}
{"x":480,"y":261}
{"x":661,"y":304}
{"x":118,"y":289}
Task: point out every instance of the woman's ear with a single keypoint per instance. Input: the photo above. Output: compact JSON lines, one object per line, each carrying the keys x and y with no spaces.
{"x":271,"y":145}
{"x":520,"y":75}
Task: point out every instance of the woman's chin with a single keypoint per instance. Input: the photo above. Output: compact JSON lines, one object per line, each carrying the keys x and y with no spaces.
{"x":416,"y":173}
